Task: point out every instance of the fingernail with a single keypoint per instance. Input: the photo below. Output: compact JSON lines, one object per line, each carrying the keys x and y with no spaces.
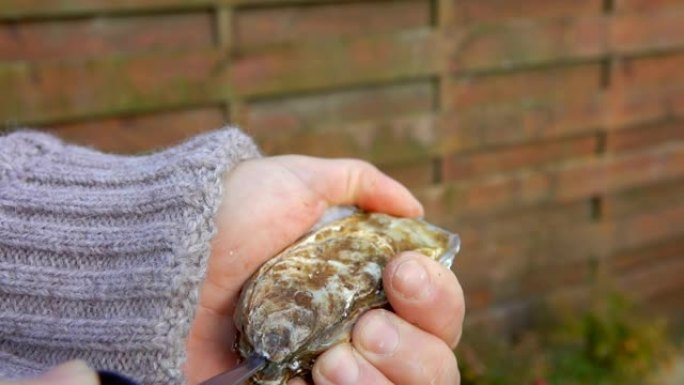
{"x":378,"y":334}
{"x":339,"y":366}
{"x":69,"y":373}
{"x":411,"y":280}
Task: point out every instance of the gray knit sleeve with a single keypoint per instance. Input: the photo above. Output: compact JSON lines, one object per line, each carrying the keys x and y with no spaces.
{"x":101,"y":255}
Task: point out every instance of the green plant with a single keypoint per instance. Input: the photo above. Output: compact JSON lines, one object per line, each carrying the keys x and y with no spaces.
{"x":609,"y":343}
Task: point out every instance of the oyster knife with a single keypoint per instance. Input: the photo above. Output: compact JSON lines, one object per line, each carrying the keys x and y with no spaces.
{"x":239,"y":374}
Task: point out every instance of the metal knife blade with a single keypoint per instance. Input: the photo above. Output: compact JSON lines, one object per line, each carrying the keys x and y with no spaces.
{"x":240,"y":373}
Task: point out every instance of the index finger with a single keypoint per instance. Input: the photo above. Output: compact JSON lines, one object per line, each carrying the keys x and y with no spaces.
{"x":356,"y":182}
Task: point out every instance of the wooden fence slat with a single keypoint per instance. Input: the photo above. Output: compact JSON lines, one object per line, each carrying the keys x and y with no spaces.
{"x":36,"y":93}
{"x":17,"y":9}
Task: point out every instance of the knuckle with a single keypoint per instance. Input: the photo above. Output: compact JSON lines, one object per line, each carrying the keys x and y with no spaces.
{"x":446,"y":370}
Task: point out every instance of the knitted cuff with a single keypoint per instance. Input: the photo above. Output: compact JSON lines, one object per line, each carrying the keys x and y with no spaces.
{"x":101,"y":255}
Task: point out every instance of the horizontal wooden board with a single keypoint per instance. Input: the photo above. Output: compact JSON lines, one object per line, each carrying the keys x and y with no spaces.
{"x":40,"y":8}
{"x":262,"y":26}
{"x":142,"y":132}
{"x":331,"y":110}
{"x":478,"y":11}
{"x":53,"y":91}
{"x":519,"y":43}
{"x":98,"y":36}
{"x":501,"y":160}
{"x":643,"y":199}
{"x":566,"y":182}
{"x":644,"y":136}
{"x":563,"y":83}
{"x":367,"y":60}
{"x":657,"y":30}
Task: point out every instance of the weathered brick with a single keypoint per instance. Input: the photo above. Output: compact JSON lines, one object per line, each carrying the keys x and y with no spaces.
{"x":566,"y":83}
{"x":522,"y":43}
{"x":476,"y":11}
{"x":504,"y":159}
{"x":140,"y":133}
{"x":644,"y":136}
{"x":96,"y":36}
{"x":261,"y":26}
{"x":647,"y":31}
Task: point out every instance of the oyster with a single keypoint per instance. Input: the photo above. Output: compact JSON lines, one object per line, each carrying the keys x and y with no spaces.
{"x":307,"y":298}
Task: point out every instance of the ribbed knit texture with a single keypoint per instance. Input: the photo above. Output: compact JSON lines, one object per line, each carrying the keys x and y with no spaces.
{"x":101,"y":255}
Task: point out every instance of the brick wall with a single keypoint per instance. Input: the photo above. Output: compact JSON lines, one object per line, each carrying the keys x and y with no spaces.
{"x":550,"y":134}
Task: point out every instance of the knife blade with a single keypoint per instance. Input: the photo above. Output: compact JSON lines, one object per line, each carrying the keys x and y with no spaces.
{"x":238,"y":374}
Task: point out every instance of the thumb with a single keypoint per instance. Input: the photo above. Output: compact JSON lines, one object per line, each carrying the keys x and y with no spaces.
{"x":74,"y":372}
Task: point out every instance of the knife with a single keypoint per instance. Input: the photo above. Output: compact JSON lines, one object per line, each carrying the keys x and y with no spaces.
{"x":238,"y":374}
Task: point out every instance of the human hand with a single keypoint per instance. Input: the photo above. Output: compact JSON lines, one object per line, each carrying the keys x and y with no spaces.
{"x":268,"y":204}
{"x":414,"y":344}
{"x":70,"y":373}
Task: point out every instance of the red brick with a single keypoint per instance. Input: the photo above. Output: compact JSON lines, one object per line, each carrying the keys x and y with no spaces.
{"x":645,"y":32}
{"x":256,"y":27}
{"x":501,"y":160}
{"x":88,"y":37}
{"x":474,"y":11}
{"x":140,"y":133}
{"x":522,"y":43}
{"x":571,"y":83}
{"x":644,"y":136}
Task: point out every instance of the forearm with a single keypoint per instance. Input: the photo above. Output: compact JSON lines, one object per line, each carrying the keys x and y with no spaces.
{"x":101,"y":255}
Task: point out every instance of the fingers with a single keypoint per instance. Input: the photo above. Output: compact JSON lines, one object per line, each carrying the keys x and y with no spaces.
{"x":350,"y":181}
{"x":342,"y":365}
{"x":403,"y":353}
{"x":426,"y":294}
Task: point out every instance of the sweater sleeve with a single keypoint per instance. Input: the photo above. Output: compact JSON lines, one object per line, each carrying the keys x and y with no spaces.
{"x":101,"y":256}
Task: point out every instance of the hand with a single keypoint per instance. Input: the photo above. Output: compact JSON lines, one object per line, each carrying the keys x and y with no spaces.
{"x":267,"y":204}
{"x":413,"y":346}
{"x":70,"y":373}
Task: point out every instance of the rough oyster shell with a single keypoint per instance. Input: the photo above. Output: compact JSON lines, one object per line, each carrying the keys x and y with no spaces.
{"x":308,"y":297}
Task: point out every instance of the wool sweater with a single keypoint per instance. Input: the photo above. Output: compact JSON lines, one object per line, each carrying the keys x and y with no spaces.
{"x":101,"y":256}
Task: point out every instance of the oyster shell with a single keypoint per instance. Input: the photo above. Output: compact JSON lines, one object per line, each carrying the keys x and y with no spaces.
{"x":307,"y":298}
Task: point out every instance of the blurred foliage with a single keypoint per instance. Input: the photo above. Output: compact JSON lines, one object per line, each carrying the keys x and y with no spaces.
{"x":609,"y":343}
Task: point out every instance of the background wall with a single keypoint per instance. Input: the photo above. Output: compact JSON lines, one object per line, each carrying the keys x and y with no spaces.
{"x":549,"y":134}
